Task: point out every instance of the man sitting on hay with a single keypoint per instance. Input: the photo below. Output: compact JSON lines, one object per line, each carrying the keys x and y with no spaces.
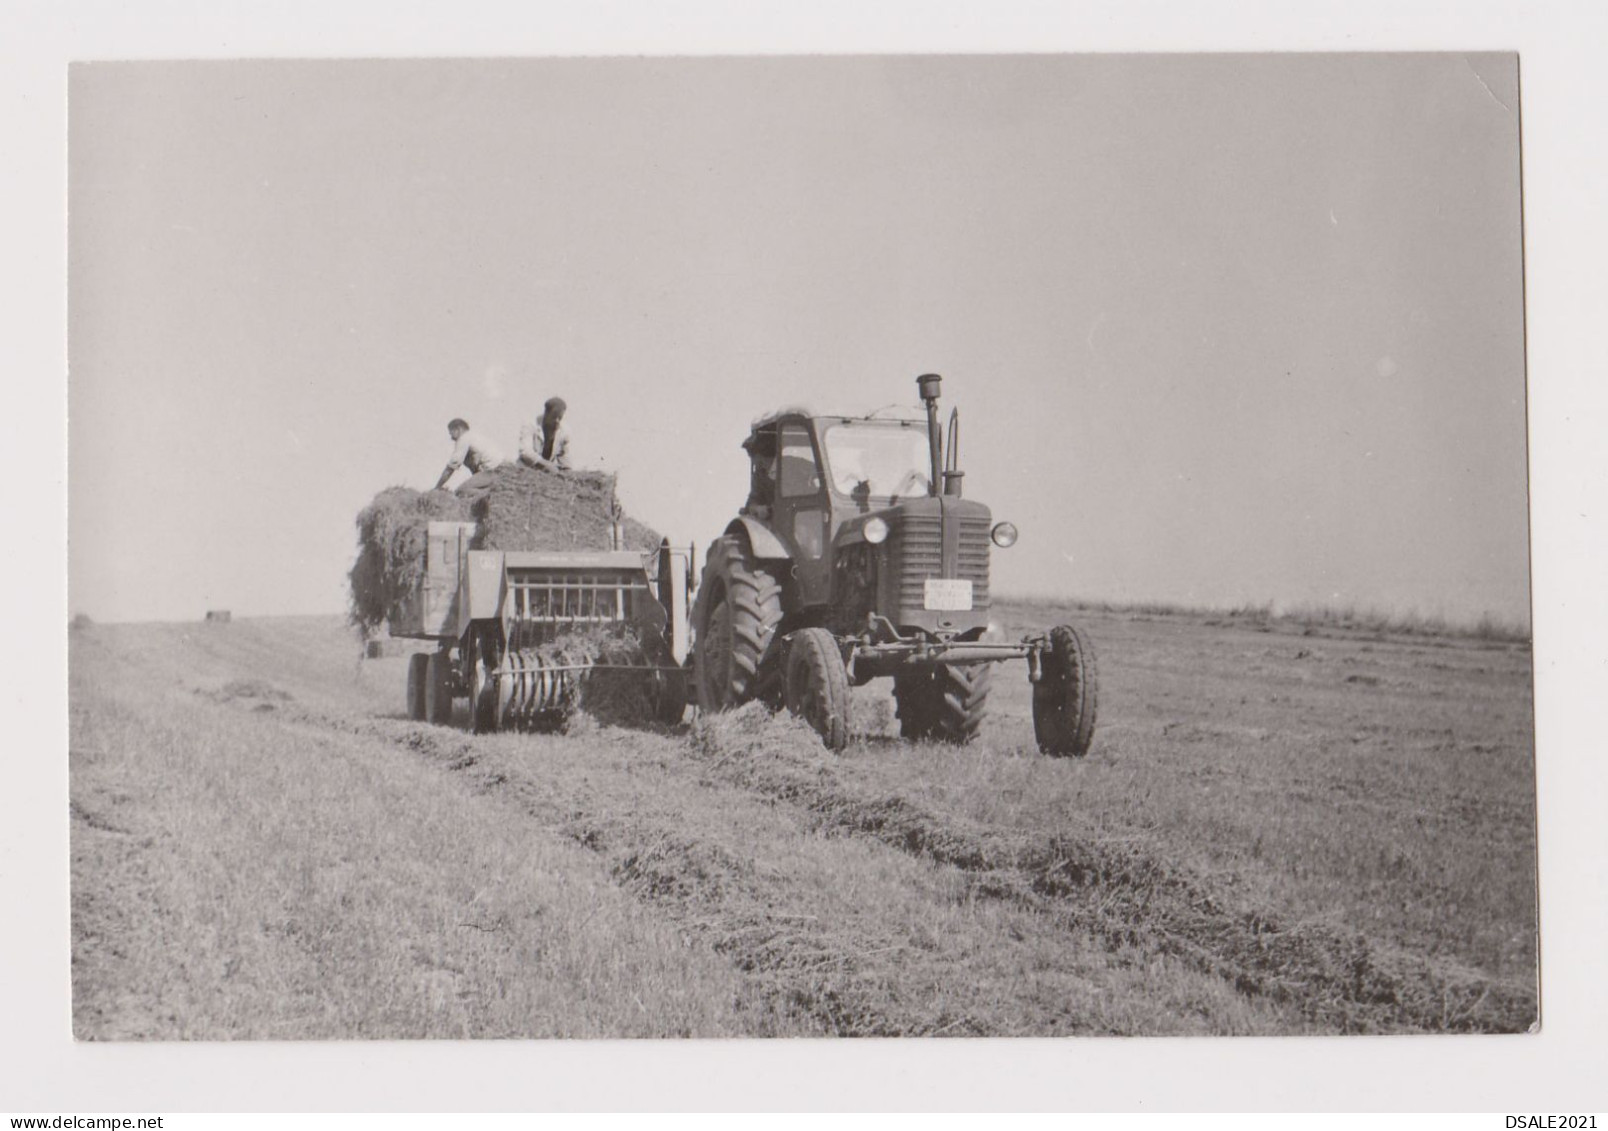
{"x":546,"y":446}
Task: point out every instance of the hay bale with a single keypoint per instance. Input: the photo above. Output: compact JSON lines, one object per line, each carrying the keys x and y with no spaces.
{"x":523,"y":509}
{"x":526,"y":509}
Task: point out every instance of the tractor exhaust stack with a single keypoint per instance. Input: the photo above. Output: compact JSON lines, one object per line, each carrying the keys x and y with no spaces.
{"x":928,"y":384}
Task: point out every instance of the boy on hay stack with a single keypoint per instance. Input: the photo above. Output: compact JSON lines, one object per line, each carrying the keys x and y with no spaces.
{"x":474,"y":451}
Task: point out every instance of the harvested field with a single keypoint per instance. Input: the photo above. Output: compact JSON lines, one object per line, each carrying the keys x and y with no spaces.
{"x":263,"y":846}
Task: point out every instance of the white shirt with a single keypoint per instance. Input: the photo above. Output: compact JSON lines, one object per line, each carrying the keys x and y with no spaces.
{"x":533,"y":439}
{"x":476,"y":453}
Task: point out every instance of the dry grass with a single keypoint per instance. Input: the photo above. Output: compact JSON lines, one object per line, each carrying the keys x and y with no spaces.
{"x":1277,"y":831}
{"x":1387,"y":782}
{"x":234,"y":877}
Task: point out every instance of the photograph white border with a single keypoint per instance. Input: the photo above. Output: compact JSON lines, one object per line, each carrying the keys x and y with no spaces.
{"x":1562,"y":80}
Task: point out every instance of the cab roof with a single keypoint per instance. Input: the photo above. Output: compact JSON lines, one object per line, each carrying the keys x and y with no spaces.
{"x":769,"y":418}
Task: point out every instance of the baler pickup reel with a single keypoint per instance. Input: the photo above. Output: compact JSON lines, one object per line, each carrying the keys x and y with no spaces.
{"x":572,"y":620}
{"x":527,"y":635}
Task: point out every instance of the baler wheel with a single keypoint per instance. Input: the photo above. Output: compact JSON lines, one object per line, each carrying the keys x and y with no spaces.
{"x":818,"y":685}
{"x":438,"y":688}
{"x":418,"y":677}
{"x":1066,"y":697}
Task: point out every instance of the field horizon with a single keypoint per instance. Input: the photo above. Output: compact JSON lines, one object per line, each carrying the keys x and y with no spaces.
{"x":1343,"y":615}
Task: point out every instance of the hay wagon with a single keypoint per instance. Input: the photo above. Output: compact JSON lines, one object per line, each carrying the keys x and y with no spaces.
{"x":519,"y":633}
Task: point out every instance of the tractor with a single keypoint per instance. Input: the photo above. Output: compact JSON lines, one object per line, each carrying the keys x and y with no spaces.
{"x":856,"y":557}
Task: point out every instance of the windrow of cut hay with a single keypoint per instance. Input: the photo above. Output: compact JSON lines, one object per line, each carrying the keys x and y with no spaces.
{"x":813,"y":974}
{"x":1333,"y":973}
{"x":524,"y":509}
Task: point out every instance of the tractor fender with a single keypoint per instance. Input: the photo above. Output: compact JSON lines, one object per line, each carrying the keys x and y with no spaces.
{"x":761,"y":539}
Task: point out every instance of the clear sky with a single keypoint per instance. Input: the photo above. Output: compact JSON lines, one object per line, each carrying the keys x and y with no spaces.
{"x":1221,"y":328}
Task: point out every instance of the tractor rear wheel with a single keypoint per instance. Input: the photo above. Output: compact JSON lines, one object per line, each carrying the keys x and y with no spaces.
{"x":739,"y":606}
{"x":418,"y":680}
{"x":962,"y":700}
{"x":818,"y":685}
{"x":1066,"y":696}
{"x":438,"y":688}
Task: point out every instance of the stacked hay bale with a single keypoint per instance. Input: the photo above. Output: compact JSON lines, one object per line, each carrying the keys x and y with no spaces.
{"x":524,"y":509}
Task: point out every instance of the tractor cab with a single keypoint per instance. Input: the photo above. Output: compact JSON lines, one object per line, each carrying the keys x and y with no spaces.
{"x":815,"y":480}
{"x":868,"y":514}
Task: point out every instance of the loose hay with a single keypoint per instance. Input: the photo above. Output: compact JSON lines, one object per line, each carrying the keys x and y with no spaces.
{"x":524,"y":509}
{"x":392,"y":532}
{"x":606,"y":694}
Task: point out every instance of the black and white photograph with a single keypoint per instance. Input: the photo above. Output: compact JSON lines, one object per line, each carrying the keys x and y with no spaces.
{"x":999,"y":552}
{"x":880,"y":546}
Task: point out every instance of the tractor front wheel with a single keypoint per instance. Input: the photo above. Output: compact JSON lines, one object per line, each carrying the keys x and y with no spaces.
{"x":1067,"y":695}
{"x":818,"y":685}
{"x":739,"y":606}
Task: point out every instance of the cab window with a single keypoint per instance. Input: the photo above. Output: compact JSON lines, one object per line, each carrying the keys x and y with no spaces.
{"x":798,"y":474}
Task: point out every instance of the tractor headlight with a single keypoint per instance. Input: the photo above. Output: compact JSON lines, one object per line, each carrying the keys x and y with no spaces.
{"x":875,"y":531}
{"x":1003,"y":534}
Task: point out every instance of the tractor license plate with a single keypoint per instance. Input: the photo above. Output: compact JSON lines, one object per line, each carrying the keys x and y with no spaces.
{"x":948,"y":595}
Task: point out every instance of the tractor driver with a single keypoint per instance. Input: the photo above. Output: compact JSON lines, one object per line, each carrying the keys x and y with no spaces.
{"x":474,"y":451}
{"x":761,"y":481}
{"x":546,"y":446}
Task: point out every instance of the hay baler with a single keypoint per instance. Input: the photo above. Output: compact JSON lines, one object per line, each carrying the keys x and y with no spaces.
{"x":520,"y":634}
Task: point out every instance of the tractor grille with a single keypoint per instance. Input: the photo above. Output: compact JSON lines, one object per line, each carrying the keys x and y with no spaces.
{"x":974,"y":543}
{"x":918,"y":553}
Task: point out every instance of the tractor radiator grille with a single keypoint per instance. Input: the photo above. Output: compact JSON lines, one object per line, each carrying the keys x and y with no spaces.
{"x":918,"y":553}
{"x":974,"y":553}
